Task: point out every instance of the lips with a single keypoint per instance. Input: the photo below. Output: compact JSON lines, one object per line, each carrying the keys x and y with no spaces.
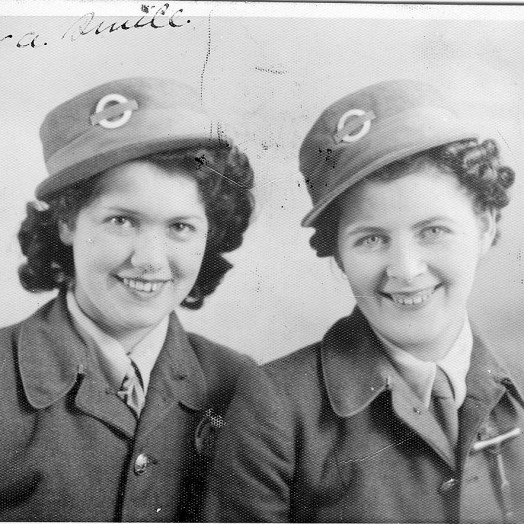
{"x":144,"y":286}
{"x":411,"y":298}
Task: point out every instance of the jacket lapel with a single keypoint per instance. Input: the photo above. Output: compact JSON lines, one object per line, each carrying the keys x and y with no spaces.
{"x":414,"y":414}
{"x":176,"y":378}
{"x":487,"y":381}
{"x":96,"y":399}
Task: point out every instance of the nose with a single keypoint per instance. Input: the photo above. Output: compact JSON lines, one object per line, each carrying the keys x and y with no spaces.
{"x":149,"y":252}
{"x":405,"y":262}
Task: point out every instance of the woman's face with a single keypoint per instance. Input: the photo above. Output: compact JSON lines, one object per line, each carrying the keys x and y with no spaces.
{"x":409,"y":248}
{"x":137,"y":247}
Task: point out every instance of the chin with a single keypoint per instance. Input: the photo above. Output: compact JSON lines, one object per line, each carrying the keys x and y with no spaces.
{"x":403,"y":339}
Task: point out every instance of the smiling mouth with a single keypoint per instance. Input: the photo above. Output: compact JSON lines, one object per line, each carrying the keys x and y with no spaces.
{"x":411,"y":298}
{"x":146,"y":286}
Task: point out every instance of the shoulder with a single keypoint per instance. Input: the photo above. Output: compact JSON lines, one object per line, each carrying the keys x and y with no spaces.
{"x":297,"y":381}
{"x":305,"y":363}
{"x":301,"y":364}
{"x":47,"y":317}
{"x":221,"y":365}
{"x":9,"y":333}
{"x":216,"y":356}
{"x":507,"y":351}
{"x":301,"y":376}
{"x":9,"y":337}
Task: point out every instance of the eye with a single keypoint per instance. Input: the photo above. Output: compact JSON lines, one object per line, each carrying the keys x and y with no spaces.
{"x":120,"y":221}
{"x":182,"y":229}
{"x":434,"y":232}
{"x":371,"y":241}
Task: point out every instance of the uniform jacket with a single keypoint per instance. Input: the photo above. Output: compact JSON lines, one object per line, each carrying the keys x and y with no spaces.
{"x":71,"y":450}
{"x":332,"y":433}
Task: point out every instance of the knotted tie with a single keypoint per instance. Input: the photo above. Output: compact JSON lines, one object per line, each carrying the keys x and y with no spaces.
{"x":131,"y":391}
{"x":444,"y":407}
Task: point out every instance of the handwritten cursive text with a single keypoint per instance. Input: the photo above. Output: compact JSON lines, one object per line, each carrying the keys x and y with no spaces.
{"x":86,"y":24}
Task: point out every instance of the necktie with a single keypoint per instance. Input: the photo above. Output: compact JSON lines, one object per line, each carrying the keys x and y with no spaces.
{"x":131,"y":391}
{"x":444,"y":407}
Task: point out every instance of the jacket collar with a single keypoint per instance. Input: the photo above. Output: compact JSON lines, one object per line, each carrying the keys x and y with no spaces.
{"x":356,"y":369}
{"x":49,"y":354}
{"x":52,"y":356}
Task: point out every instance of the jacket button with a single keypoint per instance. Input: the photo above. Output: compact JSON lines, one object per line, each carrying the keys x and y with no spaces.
{"x":448,"y":485}
{"x":141,"y":464}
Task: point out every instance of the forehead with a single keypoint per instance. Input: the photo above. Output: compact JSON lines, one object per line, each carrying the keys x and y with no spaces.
{"x":145,"y":175}
{"x":415,"y":192}
{"x":147,"y":186}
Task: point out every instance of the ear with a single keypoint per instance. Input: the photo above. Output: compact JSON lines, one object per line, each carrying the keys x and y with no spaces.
{"x":65,"y":232}
{"x":488,"y":230}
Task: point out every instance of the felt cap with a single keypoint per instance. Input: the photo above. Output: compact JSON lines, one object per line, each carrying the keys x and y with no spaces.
{"x":368,"y":129}
{"x":120,"y":121}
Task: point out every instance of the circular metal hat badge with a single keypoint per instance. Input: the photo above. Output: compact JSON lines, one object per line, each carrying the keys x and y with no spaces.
{"x":347,"y":126}
{"x":113,"y":111}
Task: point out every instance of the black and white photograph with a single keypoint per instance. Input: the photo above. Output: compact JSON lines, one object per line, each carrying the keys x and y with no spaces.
{"x":261,"y":261}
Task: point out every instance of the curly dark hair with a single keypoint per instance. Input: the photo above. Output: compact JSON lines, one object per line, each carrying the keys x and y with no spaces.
{"x":476,"y":166}
{"x":225,"y":180}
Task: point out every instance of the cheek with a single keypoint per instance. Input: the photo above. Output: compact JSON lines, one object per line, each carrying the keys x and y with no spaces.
{"x":187,"y":258}
{"x":459,"y":262}
{"x":97,"y":252}
{"x":364,"y":276}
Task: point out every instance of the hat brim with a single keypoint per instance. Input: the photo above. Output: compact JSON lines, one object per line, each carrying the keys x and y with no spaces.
{"x":103,"y":161}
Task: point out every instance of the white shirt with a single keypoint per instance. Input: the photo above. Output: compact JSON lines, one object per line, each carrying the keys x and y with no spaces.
{"x":420,"y":374}
{"x":111,"y":355}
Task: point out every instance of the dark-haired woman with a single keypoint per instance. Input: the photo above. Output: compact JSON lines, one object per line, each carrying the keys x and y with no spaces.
{"x":400,"y":413}
{"x":108,"y":407}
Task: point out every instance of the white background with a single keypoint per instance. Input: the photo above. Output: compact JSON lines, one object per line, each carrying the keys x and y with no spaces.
{"x":265,"y":72}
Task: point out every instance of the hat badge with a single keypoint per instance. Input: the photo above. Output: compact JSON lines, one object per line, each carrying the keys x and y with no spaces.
{"x":353,"y":125}
{"x":113,"y":111}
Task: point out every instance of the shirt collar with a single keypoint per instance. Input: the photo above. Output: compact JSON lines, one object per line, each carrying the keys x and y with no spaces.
{"x":457,"y":361}
{"x":420,"y":374}
{"x":145,"y":353}
{"x":112,"y":357}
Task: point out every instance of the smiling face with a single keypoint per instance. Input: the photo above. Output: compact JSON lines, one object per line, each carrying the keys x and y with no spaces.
{"x":137,"y":247}
{"x":410,"y":248}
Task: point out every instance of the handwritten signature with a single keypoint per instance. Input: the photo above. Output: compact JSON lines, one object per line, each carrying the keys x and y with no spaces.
{"x":86,"y":25}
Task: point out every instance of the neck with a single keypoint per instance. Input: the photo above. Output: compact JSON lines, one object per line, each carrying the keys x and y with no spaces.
{"x":431,"y":350}
{"x":128,"y":339}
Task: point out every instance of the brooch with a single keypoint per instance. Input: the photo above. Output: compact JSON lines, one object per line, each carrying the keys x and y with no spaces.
{"x":206,"y":431}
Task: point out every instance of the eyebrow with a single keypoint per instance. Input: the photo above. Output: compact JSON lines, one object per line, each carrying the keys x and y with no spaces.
{"x":429,"y":221}
{"x":364,"y":229}
{"x":135,"y":213}
{"x":358,"y":230}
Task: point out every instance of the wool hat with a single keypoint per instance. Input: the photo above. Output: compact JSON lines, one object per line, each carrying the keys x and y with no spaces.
{"x":120,"y":121}
{"x":368,"y":129}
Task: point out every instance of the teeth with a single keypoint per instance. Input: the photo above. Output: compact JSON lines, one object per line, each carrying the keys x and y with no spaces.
{"x":140,"y":285}
{"x":411,"y":301}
